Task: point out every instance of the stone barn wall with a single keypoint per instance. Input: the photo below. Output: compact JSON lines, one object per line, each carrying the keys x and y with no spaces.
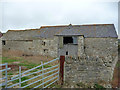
{"x":34,"y":47}
{"x":96,"y":65}
{"x":46,"y":47}
{"x":21,"y":45}
{"x":0,"y":48}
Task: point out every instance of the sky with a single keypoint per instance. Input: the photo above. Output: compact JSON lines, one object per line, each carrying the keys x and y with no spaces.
{"x":20,"y":15}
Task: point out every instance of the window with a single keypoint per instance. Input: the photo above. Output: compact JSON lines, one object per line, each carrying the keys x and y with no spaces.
{"x":70,"y":40}
{"x":3,"y":42}
{"x":67,"y":40}
{"x":74,"y":40}
{"x":43,"y":43}
{"x":45,"y":50}
{"x":67,"y":53}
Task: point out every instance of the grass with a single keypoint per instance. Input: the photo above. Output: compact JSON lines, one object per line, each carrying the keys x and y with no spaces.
{"x":118,"y":64}
{"x":28,"y":63}
{"x":10,"y":73}
{"x":22,"y":79}
{"x":98,"y":86}
{"x":8,"y":60}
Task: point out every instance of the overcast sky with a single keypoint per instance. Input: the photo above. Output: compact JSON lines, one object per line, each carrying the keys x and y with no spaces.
{"x":26,"y":15}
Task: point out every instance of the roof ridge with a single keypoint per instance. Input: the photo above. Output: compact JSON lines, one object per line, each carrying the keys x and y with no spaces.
{"x":75,"y":25}
{"x":25,"y":30}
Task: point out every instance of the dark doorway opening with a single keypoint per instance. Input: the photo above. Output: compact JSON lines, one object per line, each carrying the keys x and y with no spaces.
{"x":67,"y":40}
{"x":3,"y":42}
{"x":67,"y":53}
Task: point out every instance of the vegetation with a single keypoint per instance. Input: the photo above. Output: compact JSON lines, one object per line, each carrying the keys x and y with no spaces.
{"x":8,"y":60}
{"x":26,"y":63}
{"x":98,"y":86}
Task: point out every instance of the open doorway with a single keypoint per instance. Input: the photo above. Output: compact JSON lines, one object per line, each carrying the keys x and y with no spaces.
{"x":70,"y":40}
{"x":67,"y":40}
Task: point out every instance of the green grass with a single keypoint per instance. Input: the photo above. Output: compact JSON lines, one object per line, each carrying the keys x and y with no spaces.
{"x":8,"y":60}
{"x":46,"y":66}
{"x":10,"y":73}
{"x":28,"y":65}
{"x":25,"y":63}
{"x":98,"y":86}
{"x":55,"y":85}
{"x":80,"y":84}
{"x":22,"y":79}
{"x":35,"y":70}
{"x":118,"y":64}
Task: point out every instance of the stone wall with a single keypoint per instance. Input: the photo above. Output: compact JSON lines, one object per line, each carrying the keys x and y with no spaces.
{"x":0,"y":50}
{"x":37,"y":46}
{"x":96,"y":65}
{"x":80,"y":46}
{"x":23,"y":45}
{"x":46,"y":47}
{"x":71,"y":49}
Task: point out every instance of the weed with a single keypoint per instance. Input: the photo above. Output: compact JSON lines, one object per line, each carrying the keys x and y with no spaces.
{"x":35,"y":70}
{"x":46,"y":66}
{"x":3,"y":73}
{"x":98,"y":86}
{"x":10,"y":73}
{"x":80,"y":84}
{"x":118,"y":64}
{"x":22,"y":79}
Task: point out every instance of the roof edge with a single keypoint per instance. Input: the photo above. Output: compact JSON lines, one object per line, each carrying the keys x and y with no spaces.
{"x":76,"y":25}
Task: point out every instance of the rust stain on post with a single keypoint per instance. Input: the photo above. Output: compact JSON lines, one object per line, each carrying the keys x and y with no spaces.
{"x":62,"y":60}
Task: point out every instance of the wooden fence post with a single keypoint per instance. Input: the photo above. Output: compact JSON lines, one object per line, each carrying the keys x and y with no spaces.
{"x":62,"y":60}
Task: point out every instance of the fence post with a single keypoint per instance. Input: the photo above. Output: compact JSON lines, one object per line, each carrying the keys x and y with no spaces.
{"x":19,"y":76}
{"x":42,"y":74}
{"x":118,"y":75}
{"x":62,"y":59}
{"x":6,"y":75}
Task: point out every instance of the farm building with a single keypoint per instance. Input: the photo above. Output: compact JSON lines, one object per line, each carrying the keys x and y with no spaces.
{"x":70,"y":40}
{"x":0,"y":44}
{"x":95,"y":47}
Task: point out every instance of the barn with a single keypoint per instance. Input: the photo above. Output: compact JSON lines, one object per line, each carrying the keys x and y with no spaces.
{"x":69,"y":40}
{"x":91,"y":50}
{"x":0,"y":45}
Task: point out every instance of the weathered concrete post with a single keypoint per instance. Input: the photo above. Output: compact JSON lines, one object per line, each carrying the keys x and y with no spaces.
{"x":62,"y":60}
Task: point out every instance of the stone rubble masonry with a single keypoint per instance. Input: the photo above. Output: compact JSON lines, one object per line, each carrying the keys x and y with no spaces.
{"x":95,"y":61}
{"x":80,"y":46}
{"x":50,"y":47}
{"x":0,"y":49}
{"x":95,"y":65}
{"x":37,"y":46}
